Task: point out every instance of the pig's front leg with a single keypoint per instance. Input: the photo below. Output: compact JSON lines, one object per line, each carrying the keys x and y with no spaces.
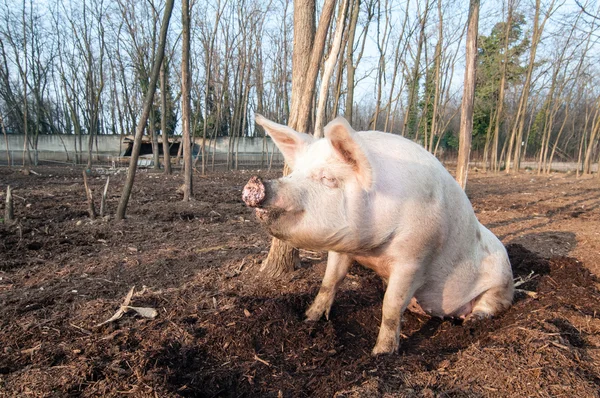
{"x":401,"y":287}
{"x":337,"y":268}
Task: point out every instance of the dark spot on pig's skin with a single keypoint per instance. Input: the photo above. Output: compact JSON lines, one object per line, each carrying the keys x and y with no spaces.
{"x":391,"y":323}
{"x":486,"y":250}
{"x":478,"y":235}
{"x":325,"y":289}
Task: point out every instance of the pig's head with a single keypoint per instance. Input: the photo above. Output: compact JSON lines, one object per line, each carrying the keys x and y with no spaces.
{"x":318,"y":205}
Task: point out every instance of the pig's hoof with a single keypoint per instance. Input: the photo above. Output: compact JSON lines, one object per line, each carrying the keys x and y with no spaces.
{"x":321,"y":305}
{"x":313,"y":314}
{"x":385,"y":346}
{"x":380,"y":349}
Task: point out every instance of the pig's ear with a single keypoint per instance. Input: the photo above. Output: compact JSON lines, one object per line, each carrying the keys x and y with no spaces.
{"x":346,"y":147}
{"x":289,"y":141}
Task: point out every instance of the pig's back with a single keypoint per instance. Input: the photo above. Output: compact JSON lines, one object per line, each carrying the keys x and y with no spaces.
{"x":402,"y":163}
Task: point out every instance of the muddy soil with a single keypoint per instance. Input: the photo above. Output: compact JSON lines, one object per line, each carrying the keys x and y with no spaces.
{"x":221,"y":330}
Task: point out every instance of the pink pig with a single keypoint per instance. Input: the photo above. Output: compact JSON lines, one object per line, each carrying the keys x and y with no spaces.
{"x":390,"y":205}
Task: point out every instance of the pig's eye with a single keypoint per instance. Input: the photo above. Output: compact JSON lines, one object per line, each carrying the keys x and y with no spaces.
{"x":329,"y":182}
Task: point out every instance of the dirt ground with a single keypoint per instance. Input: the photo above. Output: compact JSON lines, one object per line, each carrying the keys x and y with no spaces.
{"x":221,"y":330}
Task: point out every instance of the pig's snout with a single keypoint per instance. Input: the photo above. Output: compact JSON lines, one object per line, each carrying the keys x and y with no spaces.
{"x":254,"y":192}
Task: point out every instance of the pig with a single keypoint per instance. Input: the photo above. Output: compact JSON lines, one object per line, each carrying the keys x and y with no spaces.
{"x":385,"y":202}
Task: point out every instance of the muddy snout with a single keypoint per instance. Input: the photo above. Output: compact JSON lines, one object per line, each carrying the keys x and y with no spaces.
{"x":254,"y":192}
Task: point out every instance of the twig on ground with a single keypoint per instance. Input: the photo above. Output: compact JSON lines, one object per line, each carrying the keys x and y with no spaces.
{"x":103,"y":200}
{"x":90,"y":199}
{"x":523,"y":280}
{"x":9,"y":214}
{"x":146,"y":312}
{"x":256,"y":357}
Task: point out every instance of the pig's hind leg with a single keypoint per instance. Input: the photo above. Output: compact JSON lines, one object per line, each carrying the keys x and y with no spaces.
{"x":337,"y":268}
{"x":491,"y":302}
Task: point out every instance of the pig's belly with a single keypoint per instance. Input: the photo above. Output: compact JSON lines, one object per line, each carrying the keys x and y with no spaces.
{"x":435,"y":310}
{"x":444,"y":304}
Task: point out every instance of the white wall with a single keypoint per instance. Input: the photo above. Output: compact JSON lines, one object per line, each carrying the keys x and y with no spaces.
{"x":52,"y":147}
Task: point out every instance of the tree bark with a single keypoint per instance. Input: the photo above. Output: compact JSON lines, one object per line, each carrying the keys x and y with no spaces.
{"x":500,"y":109}
{"x":350,"y":67}
{"x":328,"y":70}
{"x":519,"y":124}
{"x":185,"y":101}
{"x":137,"y":143}
{"x":163,"y":118}
{"x":466,"y":117}
{"x":8,"y":159}
{"x":301,"y":114}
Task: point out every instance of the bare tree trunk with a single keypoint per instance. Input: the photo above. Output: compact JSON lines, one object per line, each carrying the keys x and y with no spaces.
{"x":154,"y":135}
{"x":488,"y":139}
{"x":300,"y":117}
{"x":582,"y":142}
{"x":466,"y":117}
{"x":382,"y":47}
{"x":328,"y":70}
{"x":519,"y":123}
{"x":500,"y":108}
{"x":437,"y":79}
{"x":350,"y":67}
{"x":163,"y":119}
{"x":413,"y":95}
{"x":185,"y":102}
{"x":8,"y":159}
{"x":560,"y":131}
{"x":137,"y":143}
{"x":26,"y":159}
{"x":587,"y":161}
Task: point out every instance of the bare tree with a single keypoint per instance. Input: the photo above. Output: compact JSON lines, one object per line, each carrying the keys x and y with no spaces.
{"x":328,"y":70}
{"x":163,"y":119}
{"x":466,"y":117}
{"x":158,"y":58}
{"x":519,"y":122}
{"x":185,"y":102}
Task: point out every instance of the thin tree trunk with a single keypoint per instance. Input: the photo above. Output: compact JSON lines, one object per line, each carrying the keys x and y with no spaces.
{"x":519,"y":123}
{"x":466,"y":117}
{"x":185,"y":102}
{"x":163,"y":118}
{"x":437,"y":78}
{"x":350,"y":67}
{"x":587,"y":162}
{"x":137,"y":143}
{"x":8,"y":159}
{"x":328,"y":70}
{"x":500,"y":107}
{"x":301,"y":115}
{"x":413,"y":95}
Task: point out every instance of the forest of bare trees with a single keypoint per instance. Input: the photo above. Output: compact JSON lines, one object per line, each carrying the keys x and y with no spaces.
{"x":85,"y":67}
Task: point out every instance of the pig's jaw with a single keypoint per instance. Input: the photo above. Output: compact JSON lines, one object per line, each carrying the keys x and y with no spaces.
{"x":279,"y":222}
